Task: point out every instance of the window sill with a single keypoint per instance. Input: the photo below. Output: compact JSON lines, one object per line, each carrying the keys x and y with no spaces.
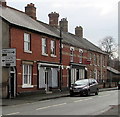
{"x":30,"y":52}
{"x":52,"y":55}
{"x":27,"y":86}
{"x":44,"y":54}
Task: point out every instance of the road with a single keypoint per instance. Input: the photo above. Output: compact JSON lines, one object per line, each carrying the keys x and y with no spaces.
{"x":90,"y":105}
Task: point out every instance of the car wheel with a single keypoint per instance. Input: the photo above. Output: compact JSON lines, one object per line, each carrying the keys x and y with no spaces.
{"x":96,"y":93}
{"x":88,"y":92}
{"x":71,"y":94}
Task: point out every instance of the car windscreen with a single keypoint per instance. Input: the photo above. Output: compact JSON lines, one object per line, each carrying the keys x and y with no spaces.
{"x":81,"y":82}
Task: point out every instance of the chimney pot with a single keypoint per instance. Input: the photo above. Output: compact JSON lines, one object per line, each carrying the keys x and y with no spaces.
{"x":53,"y":19}
{"x":30,"y":10}
{"x":64,"y":24}
{"x":79,"y":31}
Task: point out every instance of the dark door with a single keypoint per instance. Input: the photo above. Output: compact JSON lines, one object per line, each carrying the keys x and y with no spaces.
{"x":46,"y":81}
{"x":12,"y":85}
{"x":77,"y":74}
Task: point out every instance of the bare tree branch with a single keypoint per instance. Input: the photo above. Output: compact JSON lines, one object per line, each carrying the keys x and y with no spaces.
{"x":108,"y":45}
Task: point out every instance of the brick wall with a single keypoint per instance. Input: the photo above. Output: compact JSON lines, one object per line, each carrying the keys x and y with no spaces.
{"x":101,"y":67}
{"x":17,"y":41}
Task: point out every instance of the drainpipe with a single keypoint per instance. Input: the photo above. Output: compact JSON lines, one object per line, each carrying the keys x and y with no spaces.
{"x":60,"y":59}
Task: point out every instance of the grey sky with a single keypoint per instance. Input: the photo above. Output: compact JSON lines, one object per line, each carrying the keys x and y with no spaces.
{"x":99,"y":18}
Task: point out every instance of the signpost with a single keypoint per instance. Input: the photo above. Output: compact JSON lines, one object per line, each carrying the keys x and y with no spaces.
{"x":8,"y":57}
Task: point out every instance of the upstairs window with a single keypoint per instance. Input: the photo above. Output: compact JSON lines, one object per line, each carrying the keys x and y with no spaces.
{"x":95,"y":59}
{"x":103,"y":59}
{"x":90,"y":57}
{"x":98,"y":60}
{"x":71,"y":54}
{"x":27,"y":42}
{"x":53,"y":47}
{"x":44,"y":46}
{"x":81,"y":55}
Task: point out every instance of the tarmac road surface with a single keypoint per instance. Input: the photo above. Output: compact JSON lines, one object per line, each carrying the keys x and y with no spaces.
{"x":90,"y":105}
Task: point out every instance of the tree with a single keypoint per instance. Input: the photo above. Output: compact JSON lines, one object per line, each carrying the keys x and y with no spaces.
{"x":116,"y":64}
{"x":109,"y":46}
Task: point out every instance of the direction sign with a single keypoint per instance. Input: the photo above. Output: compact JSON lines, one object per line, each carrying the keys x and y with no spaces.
{"x":8,"y":57}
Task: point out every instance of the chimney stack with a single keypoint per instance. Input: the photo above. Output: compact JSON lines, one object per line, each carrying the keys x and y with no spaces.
{"x":53,"y":19}
{"x":30,"y":10}
{"x":64,"y":25}
{"x":3,"y":3}
{"x":79,"y":31}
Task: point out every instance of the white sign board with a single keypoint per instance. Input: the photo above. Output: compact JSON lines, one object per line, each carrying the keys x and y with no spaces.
{"x":8,"y":57}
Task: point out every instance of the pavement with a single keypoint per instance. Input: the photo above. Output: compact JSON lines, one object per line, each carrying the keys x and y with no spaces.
{"x":113,"y":111}
{"x":40,"y":97}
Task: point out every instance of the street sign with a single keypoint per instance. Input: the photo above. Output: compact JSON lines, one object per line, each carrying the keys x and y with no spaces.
{"x":8,"y":57}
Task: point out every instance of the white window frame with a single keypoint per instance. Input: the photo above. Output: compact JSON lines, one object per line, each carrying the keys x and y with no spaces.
{"x":98,"y":59}
{"x":104,"y":60}
{"x":90,"y":57}
{"x":28,"y":75}
{"x":90,"y":73}
{"x":27,"y":43}
{"x":95,"y":59}
{"x":53,"y":48}
{"x":71,"y":54}
{"x":81,"y":55}
{"x":44,"y":46}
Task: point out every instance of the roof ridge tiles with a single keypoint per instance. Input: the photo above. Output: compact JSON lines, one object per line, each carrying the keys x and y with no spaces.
{"x":16,"y":9}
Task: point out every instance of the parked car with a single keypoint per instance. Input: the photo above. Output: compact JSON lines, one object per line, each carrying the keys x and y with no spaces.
{"x":84,"y":87}
{"x":119,"y":85}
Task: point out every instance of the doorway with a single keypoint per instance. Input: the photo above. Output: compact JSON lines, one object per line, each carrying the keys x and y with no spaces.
{"x":12,"y":83}
{"x":77,"y":74}
{"x":48,"y":79}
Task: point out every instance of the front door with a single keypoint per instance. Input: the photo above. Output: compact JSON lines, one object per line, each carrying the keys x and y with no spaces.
{"x":77,"y":74}
{"x":46,"y":81}
{"x":12,"y":83}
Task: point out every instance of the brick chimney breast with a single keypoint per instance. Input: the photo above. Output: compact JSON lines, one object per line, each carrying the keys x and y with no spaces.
{"x":30,"y":10}
{"x":64,"y":24}
{"x":79,"y":31}
{"x":53,"y":19}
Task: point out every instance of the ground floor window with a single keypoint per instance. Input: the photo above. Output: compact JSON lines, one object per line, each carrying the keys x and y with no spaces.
{"x":27,"y":75}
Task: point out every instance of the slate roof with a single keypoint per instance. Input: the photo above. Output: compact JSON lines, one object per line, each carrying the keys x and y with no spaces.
{"x":74,"y":40}
{"x":21,"y":19}
{"x":113,"y":70}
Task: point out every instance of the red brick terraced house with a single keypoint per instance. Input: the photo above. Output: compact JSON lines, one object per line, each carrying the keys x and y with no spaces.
{"x":80,"y":58}
{"x":37,"y":52}
{"x":48,"y":57}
